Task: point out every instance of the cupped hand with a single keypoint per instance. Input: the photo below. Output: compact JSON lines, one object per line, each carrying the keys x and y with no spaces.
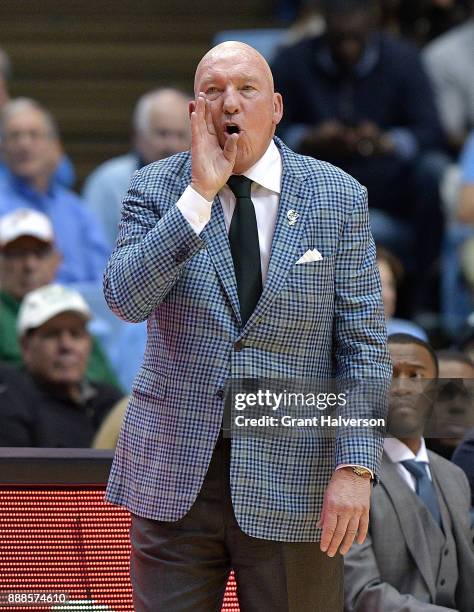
{"x":211,"y":165}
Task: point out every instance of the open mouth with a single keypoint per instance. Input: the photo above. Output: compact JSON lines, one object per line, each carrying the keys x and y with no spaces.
{"x":231,"y":128}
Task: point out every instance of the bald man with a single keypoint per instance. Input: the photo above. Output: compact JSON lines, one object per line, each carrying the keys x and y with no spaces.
{"x":249,"y":262}
{"x":160,"y":129}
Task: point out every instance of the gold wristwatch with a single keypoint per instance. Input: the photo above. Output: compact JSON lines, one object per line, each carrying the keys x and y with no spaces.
{"x":361,"y":471}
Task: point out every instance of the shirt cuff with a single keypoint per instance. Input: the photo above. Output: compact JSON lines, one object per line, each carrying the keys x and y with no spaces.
{"x":195,"y":209}
{"x":343,"y":465}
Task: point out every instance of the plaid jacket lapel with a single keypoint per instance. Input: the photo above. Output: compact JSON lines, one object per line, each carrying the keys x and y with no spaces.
{"x":217,"y":242}
{"x":295,"y":196}
{"x":216,"y":238}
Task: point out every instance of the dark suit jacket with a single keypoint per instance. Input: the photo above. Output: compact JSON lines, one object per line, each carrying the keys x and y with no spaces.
{"x":395,"y":553}
{"x":392,"y":90}
{"x":464,"y":457}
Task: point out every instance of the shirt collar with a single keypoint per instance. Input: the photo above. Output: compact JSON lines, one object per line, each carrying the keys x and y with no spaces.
{"x":397,"y":451}
{"x":87,"y":391}
{"x":268,"y":170}
{"x":24,"y":188}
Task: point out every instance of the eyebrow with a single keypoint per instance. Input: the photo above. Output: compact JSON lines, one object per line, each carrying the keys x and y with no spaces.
{"x":410,"y":364}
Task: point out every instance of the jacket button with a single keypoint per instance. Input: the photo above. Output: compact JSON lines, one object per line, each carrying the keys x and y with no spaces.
{"x":181,"y":255}
{"x":446,"y":552}
{"x":239,"y":346}
{"x":442,"y":581}
{"x":220,"y":393}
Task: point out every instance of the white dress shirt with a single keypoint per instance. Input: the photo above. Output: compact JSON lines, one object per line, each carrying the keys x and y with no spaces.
{"x":397,"y":451}
{"x":266,"y":188}
{"x":265,"y":194}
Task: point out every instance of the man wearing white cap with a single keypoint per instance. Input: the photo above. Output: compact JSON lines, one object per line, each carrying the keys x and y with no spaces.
{"x":29,"y":259}
{"x":61,"y":408}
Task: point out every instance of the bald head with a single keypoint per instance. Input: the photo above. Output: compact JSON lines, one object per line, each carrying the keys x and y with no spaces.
{"x":227,"y":51}
{"x":161,"y":124}
{"x":237,"y":85}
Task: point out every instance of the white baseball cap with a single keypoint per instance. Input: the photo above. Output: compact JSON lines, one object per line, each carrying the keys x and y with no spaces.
{"x":44,"y":303}
{"x":25,"y":222}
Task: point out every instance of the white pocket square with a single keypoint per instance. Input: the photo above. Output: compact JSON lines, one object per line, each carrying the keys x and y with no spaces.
{"x":310,"y":255}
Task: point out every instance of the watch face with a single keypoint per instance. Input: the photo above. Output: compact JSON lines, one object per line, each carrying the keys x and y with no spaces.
{"x":362,"y":472}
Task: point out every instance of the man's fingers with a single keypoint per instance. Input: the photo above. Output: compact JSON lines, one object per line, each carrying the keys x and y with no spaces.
{"x":230,"y":148}
{"x":208,"y":118}
{"x":197,"y":118}
{"x":363,"y":528}
{"x":328,"y":522}
{"x":351,"y":532}
{"x":338,"y":535}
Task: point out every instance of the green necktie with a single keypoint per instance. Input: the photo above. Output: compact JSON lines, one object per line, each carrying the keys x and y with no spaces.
{"x":244,"y":246}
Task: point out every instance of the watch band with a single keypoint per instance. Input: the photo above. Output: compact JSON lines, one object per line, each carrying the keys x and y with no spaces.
{"x":361,"y":471}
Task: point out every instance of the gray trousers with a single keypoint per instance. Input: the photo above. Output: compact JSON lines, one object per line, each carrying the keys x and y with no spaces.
{"x":183,"y":566}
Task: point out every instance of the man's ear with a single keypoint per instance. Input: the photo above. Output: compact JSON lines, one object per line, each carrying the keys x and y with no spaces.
{"x":191,"y":107}
{"x":277,"y":108}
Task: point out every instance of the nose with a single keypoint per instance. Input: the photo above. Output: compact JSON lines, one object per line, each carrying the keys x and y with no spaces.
{"x":231,"y":104}
{"x":402,"y":385}
{"x":30,"y":261}
{"x":66,"y":340}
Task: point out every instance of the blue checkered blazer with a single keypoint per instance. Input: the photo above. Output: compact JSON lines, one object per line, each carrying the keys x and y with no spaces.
{"x":320,"y":319}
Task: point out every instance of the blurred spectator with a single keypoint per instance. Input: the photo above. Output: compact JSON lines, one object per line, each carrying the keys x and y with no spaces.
{"x":391,"y":275}
{"x":308,"y":22}
{"x":453,"y":412}
{"x":465,"y":340}
{"x":362,"y":100}
{"x":464,"y":457}
{"x":458,"y":250}
{"x":161,"y":128}
{"x":466,"y":198}
{"x":14,"y":395}
{"x":59,"y":406}
{"x":64,"y":172}
{"x":421,"y":20}
{"x":29,"y":260}
{"x":108,"y":433}
{"x":418,"y":555}
{"x":449,"y":61}
{"x":30,"y":144}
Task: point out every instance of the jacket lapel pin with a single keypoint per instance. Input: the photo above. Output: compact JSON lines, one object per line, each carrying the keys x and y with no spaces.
{"x":292,"y":217}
